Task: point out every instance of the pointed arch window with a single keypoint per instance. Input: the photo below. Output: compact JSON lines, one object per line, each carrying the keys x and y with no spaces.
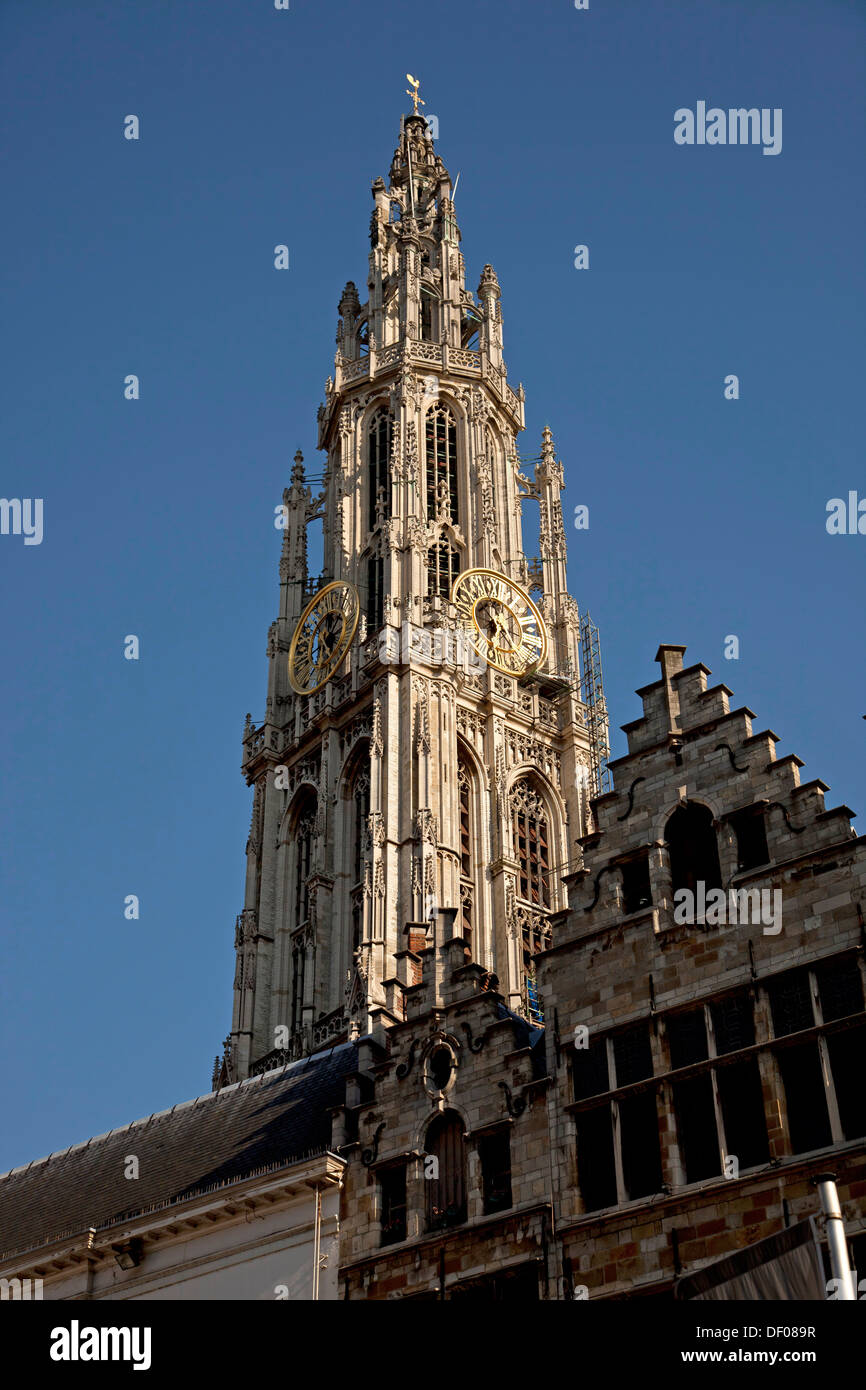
{"x":446,"y":1190}
{"x":467,"y":868}
{"x":492,"y":460}
{"x":378,"y":466}
{"x":694,"y":851}
{"x":360,"y":830}
{"x":428,"y":315}
{"x":443,"y":565}
{"x":375,"y":593}
{"x":470,"y":328}
{"x":531,"y":843}
{"x":441,"y":463}
{"x":304,"y":835}
{"x":299,"y":972}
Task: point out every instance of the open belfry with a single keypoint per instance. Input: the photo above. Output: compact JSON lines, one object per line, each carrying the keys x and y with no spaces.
{"x":425,"y":742}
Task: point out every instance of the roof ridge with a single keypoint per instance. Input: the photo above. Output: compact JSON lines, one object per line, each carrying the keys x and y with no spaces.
{"x":133,"y":1214}
{"x":144,"y":1120}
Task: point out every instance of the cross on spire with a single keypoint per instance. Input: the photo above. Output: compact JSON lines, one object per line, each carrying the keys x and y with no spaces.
{"x":413,"y":91}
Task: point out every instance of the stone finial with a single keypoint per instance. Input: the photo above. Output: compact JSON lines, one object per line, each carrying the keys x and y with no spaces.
{"x":349,"y":301}
{"x":298,"y":470}
{"x":488,"y":284}
{"x":670,"y":658}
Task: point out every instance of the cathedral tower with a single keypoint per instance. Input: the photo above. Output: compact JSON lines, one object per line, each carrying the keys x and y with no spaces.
{"x":425,"y":747}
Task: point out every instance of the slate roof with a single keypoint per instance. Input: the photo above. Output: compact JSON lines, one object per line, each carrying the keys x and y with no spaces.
{"x":265,"y":1122}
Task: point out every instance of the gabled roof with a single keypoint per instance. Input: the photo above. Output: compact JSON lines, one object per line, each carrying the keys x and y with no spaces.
{"x":264,"y":1123}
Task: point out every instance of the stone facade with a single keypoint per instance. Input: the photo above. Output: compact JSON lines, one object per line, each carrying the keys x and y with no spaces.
{"x":726,"y":1052}
{"x":420,"y":1211}
{"x":390,"y":792}
{"x":696,"y":1075}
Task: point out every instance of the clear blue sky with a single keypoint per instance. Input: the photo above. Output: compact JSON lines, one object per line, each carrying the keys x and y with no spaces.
{"x":261,"y":127}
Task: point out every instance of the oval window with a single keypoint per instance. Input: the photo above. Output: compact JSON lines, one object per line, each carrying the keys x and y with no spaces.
{"x":441,"y":1067}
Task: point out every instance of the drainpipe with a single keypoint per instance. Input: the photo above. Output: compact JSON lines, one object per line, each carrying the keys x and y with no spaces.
{"x":317,"y":1240}
{"x":826,"y":1184}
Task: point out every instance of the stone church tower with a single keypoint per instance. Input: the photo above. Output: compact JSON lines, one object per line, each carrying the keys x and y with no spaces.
{"x":425,"y":744}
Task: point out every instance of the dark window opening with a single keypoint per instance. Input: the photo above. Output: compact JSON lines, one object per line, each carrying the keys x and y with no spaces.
{"x":375,"y":593}
{"x":428,"y":321}
{"x":529,"y":827}
{"x":392,"y":1189}
{"x":596,"y":1168}
{"x":847,"y":1063}
{"x":840,"y":988}
{"x":495,"y":1154}
{"x":696,"y":1127}
{"x":446,"y":1192}
{"x":741,"y":1099}
{"x":632,"y":1055}
{"x":733,"y":1023}
{"x":464,"y":788}
{"x":441,"y":460}
{"x":443,"y":564}
{"x":304,"y":833}
{"x":507,"y":1286}
{"x":379,"y":466}
{"x":857,"y":1257}
{"x":361,"y":797}
{"x":806,"y":1098}
{"x":687,"y":1038}
{"x":469,"y":330}
{"x":639,"y":1136}
{"x":791,"y":1002}
{"x":691,"y":840}
{"x":441,"y":1067}
{"x":636,"y":884}
{"x":751,"y":834}
{"x":589,"y":1070}
{"x":299,"y":961}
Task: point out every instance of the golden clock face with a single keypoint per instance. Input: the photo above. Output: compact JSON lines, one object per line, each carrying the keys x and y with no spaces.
{"x":501,"y":621}
{"x":323,"y":636}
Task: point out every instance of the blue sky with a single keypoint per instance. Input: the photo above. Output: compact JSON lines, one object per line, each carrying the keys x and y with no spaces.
{"x":258,"y":127}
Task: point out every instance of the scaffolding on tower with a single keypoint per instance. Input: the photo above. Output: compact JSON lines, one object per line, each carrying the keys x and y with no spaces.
{"x":596,"y":707}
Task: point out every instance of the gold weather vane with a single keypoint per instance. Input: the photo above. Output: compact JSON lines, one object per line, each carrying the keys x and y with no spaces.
{"x":413,"y":92}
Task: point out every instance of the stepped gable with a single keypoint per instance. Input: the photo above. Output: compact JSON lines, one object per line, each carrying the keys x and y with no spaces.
{"x":690,"y":745}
